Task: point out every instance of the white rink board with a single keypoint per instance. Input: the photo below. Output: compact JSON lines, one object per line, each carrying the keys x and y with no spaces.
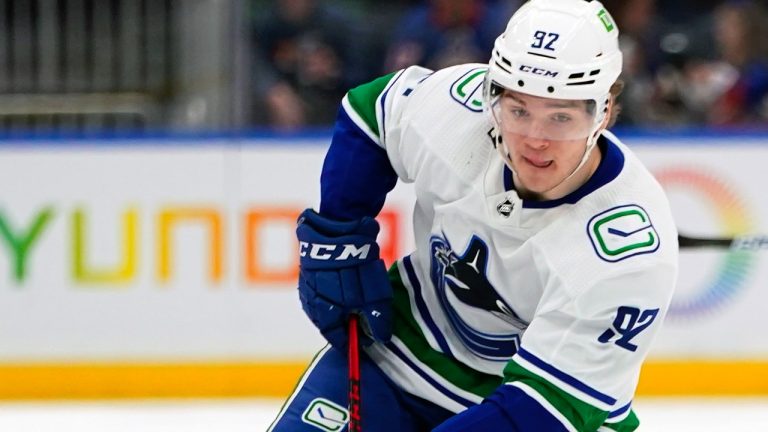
{"x":717,"y":189}
{"x":188,"y":294}
{"x":193,"y":313}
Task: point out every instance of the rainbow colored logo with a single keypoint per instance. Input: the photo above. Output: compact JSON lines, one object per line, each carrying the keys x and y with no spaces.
{"x":729,"y":276}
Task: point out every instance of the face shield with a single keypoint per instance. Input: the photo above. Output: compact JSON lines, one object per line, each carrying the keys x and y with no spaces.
{"x":542,"y":118}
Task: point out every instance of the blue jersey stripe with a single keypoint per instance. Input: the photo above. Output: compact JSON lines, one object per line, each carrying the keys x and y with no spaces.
{"x":436,"y":385}
{"x":422,"y":306}
{"x":564,"y":377}
{"x":620,"y":411}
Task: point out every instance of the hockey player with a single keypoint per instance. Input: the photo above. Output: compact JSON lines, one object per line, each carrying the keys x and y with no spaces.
{"x":546,"y":254}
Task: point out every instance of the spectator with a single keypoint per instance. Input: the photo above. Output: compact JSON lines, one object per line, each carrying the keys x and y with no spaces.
{"x":681,"y":11}
{"x":638,"y":42}
{"x":668,"y":64}
{"x":441,"y":33}
{"x":309,"y":53}
{"x":742,"y":41}
{"x":711,"y":69}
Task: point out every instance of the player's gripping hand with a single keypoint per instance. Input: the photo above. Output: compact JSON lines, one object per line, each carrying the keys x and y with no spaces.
{"x":340,"y":273}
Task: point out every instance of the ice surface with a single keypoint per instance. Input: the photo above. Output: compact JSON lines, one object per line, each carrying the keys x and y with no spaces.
{"x":252,"y":415}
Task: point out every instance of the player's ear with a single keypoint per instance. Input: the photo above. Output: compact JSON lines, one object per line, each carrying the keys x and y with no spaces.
{"x":614,"y":108}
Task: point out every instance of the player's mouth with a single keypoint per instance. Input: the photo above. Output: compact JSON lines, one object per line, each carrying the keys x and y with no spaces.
{"x":538,"y":163}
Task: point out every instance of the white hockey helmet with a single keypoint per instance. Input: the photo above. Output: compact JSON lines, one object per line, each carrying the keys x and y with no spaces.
{"x":560,"y":49}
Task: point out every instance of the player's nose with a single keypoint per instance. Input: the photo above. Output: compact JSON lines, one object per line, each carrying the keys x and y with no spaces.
{"x":534,"y":133}
{"x":535,"y":143}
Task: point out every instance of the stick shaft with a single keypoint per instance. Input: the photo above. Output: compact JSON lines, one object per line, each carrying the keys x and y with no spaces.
{"x":750,"y":242}
{"x":354,"y":377}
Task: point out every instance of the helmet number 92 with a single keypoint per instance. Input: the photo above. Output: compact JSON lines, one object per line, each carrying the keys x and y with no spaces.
{"x":544,"y":40}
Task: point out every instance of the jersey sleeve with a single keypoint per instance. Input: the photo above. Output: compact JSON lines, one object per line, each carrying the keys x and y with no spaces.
{"x":359,"y":170}
{"x":580,"y":358}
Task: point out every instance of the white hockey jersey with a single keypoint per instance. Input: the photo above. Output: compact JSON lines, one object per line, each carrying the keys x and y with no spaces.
{"x":561,"y":298}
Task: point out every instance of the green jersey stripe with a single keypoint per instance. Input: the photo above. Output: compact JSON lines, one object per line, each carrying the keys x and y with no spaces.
{"x":433,"y":380}
{"x":420,"y":309}
{"x":628,"y":424}
{"x":572,"y":411}
{"x":574,"y":389}
{"x":363,"y":99}
{"x":580,"y":414}
{"x":408,"y":331}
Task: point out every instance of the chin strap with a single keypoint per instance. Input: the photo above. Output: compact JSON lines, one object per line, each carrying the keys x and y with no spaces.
{"x":504,"y":152}
{"x":591,"y":143}
{"x":499,"y":146}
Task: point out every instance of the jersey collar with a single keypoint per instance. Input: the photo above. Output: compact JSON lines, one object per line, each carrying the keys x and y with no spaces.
{"x":610,"y":166}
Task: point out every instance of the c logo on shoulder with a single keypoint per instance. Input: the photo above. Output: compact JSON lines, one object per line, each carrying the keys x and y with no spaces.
{"x":468,"y":90}
{"x":622,"y":232}
{"x":325,"y":415}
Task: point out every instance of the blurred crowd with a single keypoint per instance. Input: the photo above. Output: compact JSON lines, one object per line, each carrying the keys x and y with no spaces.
{"x":687,"y":62}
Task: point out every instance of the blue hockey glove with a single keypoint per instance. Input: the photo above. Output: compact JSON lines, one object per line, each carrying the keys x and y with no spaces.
{"x":509,"y":408}
{"x":340,"y":273}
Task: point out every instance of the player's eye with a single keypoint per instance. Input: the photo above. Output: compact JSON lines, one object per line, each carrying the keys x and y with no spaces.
{"x":518,"y":112}
{"x":561,"y":118}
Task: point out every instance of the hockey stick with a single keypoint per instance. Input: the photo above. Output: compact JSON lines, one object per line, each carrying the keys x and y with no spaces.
{"x":354,"y":376}
{"x":745,"y":243}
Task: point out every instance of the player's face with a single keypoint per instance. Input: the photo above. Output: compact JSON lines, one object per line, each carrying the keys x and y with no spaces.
{"x":545,"y":138}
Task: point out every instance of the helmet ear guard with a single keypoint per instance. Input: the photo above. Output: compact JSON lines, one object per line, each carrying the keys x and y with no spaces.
{"x":495,"y":89}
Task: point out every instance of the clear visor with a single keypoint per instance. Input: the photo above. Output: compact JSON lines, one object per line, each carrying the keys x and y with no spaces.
{"x":542,"y":118}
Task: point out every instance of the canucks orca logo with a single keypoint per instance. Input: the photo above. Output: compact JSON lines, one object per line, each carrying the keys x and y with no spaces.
{"x":465,"y":277}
